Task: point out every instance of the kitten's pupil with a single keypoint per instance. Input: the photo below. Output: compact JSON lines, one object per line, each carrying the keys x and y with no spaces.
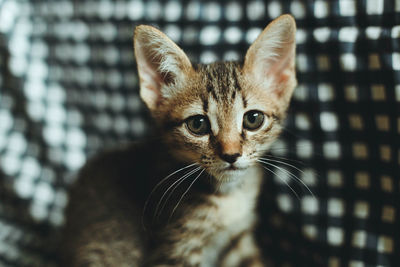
{"x":252,"y":117}
{"x":198,"y":125}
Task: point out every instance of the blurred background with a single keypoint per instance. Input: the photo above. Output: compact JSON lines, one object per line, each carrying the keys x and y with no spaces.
{"x":69,"y":88}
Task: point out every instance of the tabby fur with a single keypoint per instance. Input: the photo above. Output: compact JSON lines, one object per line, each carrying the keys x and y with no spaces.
{"x":116,"y":217}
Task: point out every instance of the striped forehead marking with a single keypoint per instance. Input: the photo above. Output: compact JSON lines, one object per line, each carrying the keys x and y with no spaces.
{"x":221,"y":81}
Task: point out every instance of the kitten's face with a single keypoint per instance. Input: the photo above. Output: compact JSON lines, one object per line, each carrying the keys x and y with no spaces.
{"x":221,"y":120}
{"x":223,"y":116}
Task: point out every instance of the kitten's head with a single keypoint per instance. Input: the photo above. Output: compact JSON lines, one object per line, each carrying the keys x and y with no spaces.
{"x":223,"y":116}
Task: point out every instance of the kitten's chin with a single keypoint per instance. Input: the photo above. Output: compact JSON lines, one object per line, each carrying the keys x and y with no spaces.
{"x":234,"y":172}
{"x":227,"y":179}
{"x":226,"y":174}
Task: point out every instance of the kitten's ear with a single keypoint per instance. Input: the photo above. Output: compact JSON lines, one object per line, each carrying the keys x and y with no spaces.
{"x":160,"y":63}
{"x":272,"y":55}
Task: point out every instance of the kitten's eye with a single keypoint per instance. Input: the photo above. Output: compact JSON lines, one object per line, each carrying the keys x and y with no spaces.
{"x":253,"y":119}
{"x":198,"y":125}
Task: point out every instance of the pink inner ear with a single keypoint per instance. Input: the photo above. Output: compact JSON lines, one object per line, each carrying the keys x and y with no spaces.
{"x":151,"y":77}
{"x":282,"y":69}
{"x":283,"y":77}
{"x":150,"y":80}
{"x":160,"y":62}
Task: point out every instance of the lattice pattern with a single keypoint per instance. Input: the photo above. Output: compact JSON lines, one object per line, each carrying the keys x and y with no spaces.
{"x":69,"y":88}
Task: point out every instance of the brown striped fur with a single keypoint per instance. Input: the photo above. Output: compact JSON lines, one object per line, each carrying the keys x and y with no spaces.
{"x":208,"y":218}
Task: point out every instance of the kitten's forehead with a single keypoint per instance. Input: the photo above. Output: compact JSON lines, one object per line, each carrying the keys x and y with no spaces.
{"x":221,"y":80}
{"x":223,"y":98}
{"x":227,"y":84}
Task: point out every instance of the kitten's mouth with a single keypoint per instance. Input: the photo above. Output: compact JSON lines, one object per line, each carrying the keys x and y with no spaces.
{"x":233,"y":168}
{"x":229,"y":170}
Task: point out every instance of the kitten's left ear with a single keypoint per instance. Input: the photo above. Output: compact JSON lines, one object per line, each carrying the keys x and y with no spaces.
{"x":271,"y":58}
{"x":160,"y":63}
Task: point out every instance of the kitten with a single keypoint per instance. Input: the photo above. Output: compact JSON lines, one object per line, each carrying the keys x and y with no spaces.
{"x":213,"y":123}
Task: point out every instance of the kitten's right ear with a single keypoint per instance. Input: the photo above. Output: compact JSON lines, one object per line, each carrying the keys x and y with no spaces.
{"x":160,"y":63}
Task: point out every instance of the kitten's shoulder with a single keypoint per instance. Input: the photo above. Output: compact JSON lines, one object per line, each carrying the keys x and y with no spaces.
{"x":124,"y":169}
{"x":122,"y":156}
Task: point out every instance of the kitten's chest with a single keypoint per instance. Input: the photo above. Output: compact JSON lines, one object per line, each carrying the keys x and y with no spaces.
{"x":236,"y":210}
{"x":238,"y":207}
{"x":235,"y":214}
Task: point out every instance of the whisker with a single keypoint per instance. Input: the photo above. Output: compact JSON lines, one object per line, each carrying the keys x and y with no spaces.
{"x":286,"y":148}
{"x":289,"y":131}
{"x":183,"y":195}
{"x":294,"y":192}
{"x":159,"y":184}
{"x":296,"y":146}
{"x":277,"y":151}
{"x":271,"y":148}
{"x":158,"y":211}
{"x":173,"y":186}
{"x":284,"y":163}
{"x":291,"y":175}
{"x":219,"y":184}
{"x":283,"y":158}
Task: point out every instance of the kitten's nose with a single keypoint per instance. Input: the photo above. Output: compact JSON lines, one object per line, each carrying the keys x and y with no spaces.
{"x":230,"y":158}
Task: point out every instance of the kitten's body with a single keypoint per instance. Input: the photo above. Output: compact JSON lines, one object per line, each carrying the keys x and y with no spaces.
{"x":207,"y":218}
{"x":105,"y":234}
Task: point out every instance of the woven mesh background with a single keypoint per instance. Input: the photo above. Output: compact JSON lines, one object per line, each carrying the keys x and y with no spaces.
{"x":69,"y":87}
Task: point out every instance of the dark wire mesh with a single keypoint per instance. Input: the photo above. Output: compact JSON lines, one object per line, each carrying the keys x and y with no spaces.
{"x":69,"y":88}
